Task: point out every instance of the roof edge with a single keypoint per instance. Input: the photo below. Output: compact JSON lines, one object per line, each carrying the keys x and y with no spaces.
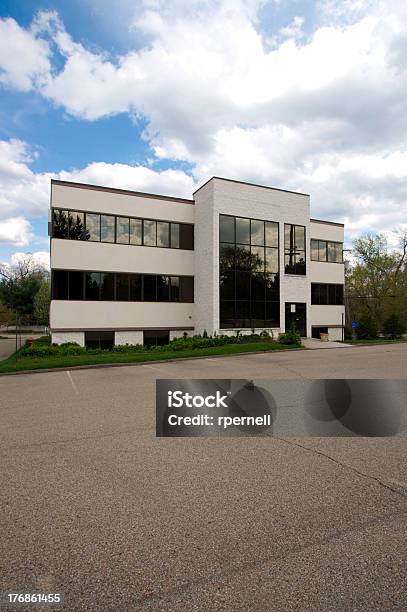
{"x":221,"y":178}
{"x":327,"y":222}
{"x":121,"y":191}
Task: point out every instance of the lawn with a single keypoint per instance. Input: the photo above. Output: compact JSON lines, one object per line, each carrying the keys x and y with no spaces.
{"x":377,"y":341}
{"x":19,"y":362}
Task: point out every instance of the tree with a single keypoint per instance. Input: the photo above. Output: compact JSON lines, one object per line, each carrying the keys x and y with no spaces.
{"x":393,"y":327}
{"x":20,"y":283}
{"x":377,"y":283}
{"x":41,"y":303}
{"x":367,"y":328}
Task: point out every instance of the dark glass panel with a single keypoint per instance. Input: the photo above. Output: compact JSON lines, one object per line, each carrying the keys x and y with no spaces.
{"x":314,"y":250}
{"x":107,"y":286}
{"x":123,"y":230}
{"x":93,"y":226}
{"x":257,"y":259}
{"x":299,"y":238}
{"x":243,"y":258}
{"x":331,"y":294}
{"x":272,"y":287}
{"x":76,"y":285}
{"x":272,"y":314}
{"x":186,"y":236}
{"x":242,"y":286}
{"x":242,"y":314}
{"x":331,"y":252}
{"x":272,"y":260}
{"x":257,"y":232}
{"x":323,"y":294}
{"x":300,"y":266}
{"x":227,"y":229}
{"x":289,"y":263}
{"x":339,"y":252}
{"x":99,"y":340}
{"x":76,"y":222}
{"x":149,"y":233}
{"x":60,"y":223}
{"x":136,"y":231}
{"x":258,"y":314}
{"x":227,"y":314}
{"x":163,"y":288}
{"x":150,"y":288}
{"x":242,"y":230}
{"x":186,"y":289}
{"x":257,"y":287}
{"x":135,"y":287}
{"x":227,"y":285}
{"x":156,"y":337}
{"x":271,"y":234}
{"x":226,"y":256}
{"x":122,"y":287}
{"x":92,"y":285}
{"x":321,"y":250}
{"x":60,"y":280}
{"x":314,"y":293}
{"x":107,"y":228}
{"x":163,"y":234}
{"x":175,"y":235}
{"x":289,"y":237}
{"x":339,"y":295}
{"x":174,"y":288}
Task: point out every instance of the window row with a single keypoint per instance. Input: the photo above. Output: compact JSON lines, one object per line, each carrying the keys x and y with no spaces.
{"x":245,"y":286}
{"x":110,"y":286}
{"x":95,"y":227}
{"x":248,"y":258}
{"x":326,"y":294}
{"x":325,"y":250}
{"x":239,"y":230}
{"x":106,"y":339}
{"x":294,"y":249}
{"x":249,"y":314}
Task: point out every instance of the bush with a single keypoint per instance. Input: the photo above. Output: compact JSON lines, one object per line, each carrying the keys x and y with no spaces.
{"x":367,"y":328}
{"x":292,"y":336}
{"x":129,"y":348}
{"x":393,"y":328}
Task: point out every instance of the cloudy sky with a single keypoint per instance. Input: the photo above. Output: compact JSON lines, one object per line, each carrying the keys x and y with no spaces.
{"x":159,"y":95}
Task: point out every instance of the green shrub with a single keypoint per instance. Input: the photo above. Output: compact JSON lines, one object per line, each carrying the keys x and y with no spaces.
{"x":367,"y":328}
{"x":292,"y":336}
{"x":393,"y":328}
{"x":129,"y":348}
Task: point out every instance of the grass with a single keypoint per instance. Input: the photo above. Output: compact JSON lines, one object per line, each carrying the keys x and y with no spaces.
{"x":16,"y":363}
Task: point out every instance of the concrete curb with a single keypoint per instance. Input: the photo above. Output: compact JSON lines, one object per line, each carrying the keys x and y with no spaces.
{"x":141,"y":363}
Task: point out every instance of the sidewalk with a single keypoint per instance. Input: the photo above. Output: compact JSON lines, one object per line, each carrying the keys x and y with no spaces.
{"x":313,"y":343}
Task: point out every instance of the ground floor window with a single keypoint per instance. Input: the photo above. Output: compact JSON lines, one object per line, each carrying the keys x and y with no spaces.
{"x":156,"y":337}
{"x":317,"y":331}
{"x":99,"y":339}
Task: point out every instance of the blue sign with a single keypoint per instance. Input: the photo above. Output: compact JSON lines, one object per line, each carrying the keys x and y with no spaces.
{"x":354,"y":324}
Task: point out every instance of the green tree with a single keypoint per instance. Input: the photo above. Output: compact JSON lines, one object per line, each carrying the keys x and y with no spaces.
{"x":393,"y":327}
{"x":41,"y":303}
{"x":367,"y":328}
{"x":20,"y":283}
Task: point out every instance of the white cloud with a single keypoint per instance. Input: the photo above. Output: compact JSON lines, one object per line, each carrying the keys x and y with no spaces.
{"x":39,"y":258}
{"x":16,"y":231}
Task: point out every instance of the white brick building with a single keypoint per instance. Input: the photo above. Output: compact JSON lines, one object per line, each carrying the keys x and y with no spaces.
{"x":130,"y":267}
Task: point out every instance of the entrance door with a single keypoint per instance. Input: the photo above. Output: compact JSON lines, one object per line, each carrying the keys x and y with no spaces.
{"x":296,"y":313}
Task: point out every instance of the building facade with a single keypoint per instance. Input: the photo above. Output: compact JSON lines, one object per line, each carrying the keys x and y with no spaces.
{"x":131,"y":267}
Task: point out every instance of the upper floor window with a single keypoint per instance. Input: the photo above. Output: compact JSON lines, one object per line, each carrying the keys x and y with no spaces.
{"x":326,"y":294}
{"x":326,"y":250}
{"x":294,"y":249}
{"x":95,"y":227}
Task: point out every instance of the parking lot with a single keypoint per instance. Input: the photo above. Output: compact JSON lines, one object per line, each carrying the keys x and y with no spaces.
{"x":94,"y":506}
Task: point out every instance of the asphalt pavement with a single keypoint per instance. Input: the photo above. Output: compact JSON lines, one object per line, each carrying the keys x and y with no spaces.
{"x":98,"y":508}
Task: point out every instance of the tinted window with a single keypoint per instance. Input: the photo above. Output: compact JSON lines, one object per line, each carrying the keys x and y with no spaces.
{"x":271,"y":234}
{"x":77,"y":226}
{"x":136,"y":231}
{"x":163,"y":288}
{"x":294,"y":249}
{"x":242,"y":230}
{"x":92,"y":286}
{"x":122,"y":230}
{"x":60,"y":223}
{"x":60,"y":281}
{"x":257,"y":232}
{"x":271,"y":260}
{"x":174,"y":288}
{"x":93,"y":226}
{"x":227,"y":256}
{"x":149,"y":233}
{"x":227,"y":285}
{"x":156,"y":337}
{"x":174,"y":235}
{"x":186,"y":289}
{"x":272,"y":287}
{"x":150,"y":288}
{"x":242,"y":285}
{"x":122,"y":287}
{"x":257,"y":264}
{"x":163,"y":234}
{"x":314,"y":250}
{"x":243,"y":258}
{"x":258,"y":285}
{"x":107,"y":286}
{"x":186,"y":236}
{"x":107,"y":228}
{"x":321,"y":250}
{"x":99,"y":340}
{"x":76,"y":285}
{"x":135,"y":287}
{"x":227,"y":228}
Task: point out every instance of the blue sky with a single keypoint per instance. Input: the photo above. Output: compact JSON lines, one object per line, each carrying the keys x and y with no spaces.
{"x":159,"y":95}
